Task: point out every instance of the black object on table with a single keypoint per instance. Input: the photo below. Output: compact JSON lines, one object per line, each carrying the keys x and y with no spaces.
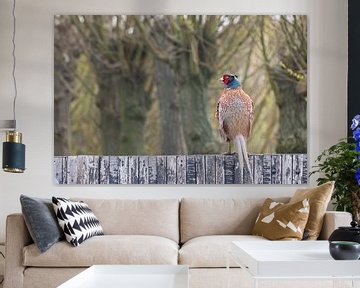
{"x":345,"y":233}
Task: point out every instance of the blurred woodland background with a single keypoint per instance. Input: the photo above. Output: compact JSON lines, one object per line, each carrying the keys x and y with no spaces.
{"x":132,"y":85}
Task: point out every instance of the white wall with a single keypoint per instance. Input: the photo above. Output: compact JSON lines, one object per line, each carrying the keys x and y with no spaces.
{"x":327,"y":88}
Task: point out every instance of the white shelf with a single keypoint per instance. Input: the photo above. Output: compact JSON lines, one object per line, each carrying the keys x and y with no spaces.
{"x":131,"y":276}
{"x":295,"y":259}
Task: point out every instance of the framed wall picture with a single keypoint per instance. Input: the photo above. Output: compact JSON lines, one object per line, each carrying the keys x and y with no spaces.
{"x":180,"y":99}
{"x":354,"y":61}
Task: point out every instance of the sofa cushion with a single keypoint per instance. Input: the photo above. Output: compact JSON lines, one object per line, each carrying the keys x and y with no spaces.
{"x":107,"y":249}
{"x":211,"y":251}
{"x":319,"y":198}
{"x":200,"y":217}
{"x":158,"y":217}
{"x":279,"y":221}
{"x":77,"y":220}
{"x":41,"y":221}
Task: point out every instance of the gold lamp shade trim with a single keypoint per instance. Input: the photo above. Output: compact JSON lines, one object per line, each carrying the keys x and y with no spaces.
{"x":13,"y":136}
{"x":13,"y":170}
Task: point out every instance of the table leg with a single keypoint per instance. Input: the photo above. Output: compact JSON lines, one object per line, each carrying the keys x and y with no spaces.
{"x":337,"y":283}
{"x":355,"y":283}
{"x":228,"y":270}
{"x":255,"y":283}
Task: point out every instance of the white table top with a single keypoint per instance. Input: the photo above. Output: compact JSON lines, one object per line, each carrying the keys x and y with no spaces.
{"x":291,"y":259}
{"x":131,"y":276}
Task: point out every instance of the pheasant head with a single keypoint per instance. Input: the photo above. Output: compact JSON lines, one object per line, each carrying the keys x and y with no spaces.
{"x":230,"y":81}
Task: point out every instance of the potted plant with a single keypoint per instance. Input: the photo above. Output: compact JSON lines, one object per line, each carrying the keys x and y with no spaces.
{"x":341,"y":163}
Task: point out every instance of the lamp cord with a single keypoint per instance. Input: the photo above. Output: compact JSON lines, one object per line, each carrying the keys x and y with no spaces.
{"x":14,"y":60}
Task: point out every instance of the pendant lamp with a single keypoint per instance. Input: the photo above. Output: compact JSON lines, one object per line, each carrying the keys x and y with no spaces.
{"x":13,"y":160}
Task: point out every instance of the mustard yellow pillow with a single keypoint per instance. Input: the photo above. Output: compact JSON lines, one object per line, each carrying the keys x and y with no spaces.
{"x":279,"y":221}
{"x":319,"y":198}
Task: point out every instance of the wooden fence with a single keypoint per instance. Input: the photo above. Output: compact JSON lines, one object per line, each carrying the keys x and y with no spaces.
{"x":181,"y":169}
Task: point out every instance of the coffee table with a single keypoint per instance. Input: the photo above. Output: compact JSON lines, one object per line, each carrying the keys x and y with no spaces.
{"x":292,"y":260}
{"x":131,"y":276}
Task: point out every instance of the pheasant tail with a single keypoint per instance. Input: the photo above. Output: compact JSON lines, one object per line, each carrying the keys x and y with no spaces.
{"x":243,"y":155}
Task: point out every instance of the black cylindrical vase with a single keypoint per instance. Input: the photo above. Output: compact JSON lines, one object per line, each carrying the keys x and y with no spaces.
{"x":13,"y":153}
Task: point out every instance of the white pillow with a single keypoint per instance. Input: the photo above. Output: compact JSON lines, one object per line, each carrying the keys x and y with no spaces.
{"x":76,"y":220}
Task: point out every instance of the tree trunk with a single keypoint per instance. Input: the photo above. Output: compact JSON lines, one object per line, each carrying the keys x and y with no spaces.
{"x":292,"y":112}
{"x":172,"y":128}
{"x":65,"y":56}
{"x":62,"y":99}
{"x":134,"y":104}
{"x":198,"y":131}
{"x":109,"y":106}
{"x":123,"y":106}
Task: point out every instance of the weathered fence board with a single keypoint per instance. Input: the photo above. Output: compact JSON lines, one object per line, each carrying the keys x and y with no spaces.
{"x":266,"y":169}
{"x":229,"y":169}
{"x":298,"y":168}
{"x":276,"y":169}
{"x":171,"y":169}
{"x":246,"y":175}
{"x":287,"y":169}
{"x":219,"y":164}
{"x":133,"y":170}
{"x":114,"y":169}
{"x":181,"y":169}
{"x":200,"y":169}
{"x":58,"y":169}
{"x":304,"y":175}
{"x":152,"y":170}
{"x":191,"y":170}
{"x":104,"y":170}
{"x":161,"y":169}
{"x":123,"y":171}
{"x":210,"y":169}
{"x":143,"y":170}
{"x":258,"y":176}
{"x":71,"y":170}
{"x":89,"y":171}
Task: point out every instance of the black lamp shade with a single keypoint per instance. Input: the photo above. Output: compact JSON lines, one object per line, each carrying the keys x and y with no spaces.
{"x":13,"y":157}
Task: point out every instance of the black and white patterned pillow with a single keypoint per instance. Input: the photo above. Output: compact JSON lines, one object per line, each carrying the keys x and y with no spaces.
{"x":77,"y":220}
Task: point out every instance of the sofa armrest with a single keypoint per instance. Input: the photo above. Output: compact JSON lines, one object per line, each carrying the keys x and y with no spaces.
{"x":17,"y":237}
{"x":333,"y":220}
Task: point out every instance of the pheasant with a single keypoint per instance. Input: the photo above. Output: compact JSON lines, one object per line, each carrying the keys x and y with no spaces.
{"x":235,"y":110}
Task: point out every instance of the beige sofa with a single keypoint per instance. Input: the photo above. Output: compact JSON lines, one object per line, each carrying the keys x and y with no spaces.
{"x":194,"y":232}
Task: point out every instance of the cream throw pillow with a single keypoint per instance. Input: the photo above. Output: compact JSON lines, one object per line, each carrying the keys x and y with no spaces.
{"x":319,"y":198}
{"x":279,"y":221}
